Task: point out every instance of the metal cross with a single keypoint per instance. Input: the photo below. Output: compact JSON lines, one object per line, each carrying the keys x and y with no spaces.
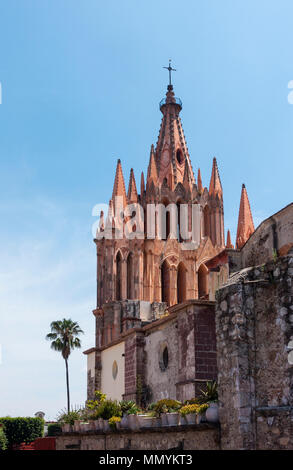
{"x":170,"y":70}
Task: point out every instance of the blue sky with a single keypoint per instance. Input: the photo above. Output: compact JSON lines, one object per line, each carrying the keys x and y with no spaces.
{"x":81,"y":82}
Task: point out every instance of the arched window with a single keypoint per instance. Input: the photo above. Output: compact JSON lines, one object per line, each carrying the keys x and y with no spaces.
{"x":202,"y":279}
{"x":130,"y":277}
{"x":206,"y":222}
{"x":181,"y":283}
{"x":165,"y":282}
{"x":179,"y":156}
{"x":165,"y":220}
{"x":179,"y":237}
{"x":118,"y":275}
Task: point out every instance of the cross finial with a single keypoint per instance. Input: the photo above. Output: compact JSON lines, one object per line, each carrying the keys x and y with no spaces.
{"x":170,"y":70}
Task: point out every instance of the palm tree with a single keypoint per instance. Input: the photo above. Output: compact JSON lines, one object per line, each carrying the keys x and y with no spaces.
{"x":64,"y":336}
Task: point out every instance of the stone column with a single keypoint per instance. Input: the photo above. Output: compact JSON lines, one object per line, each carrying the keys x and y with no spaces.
{"x":173,"y":285}
{"x":124,"y":279}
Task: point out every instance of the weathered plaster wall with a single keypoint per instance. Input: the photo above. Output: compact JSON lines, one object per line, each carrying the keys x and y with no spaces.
{"x":162,"y":380}
{"x":202,"y":436}
{"x":254,"y":323}
{"x":113,"y":387}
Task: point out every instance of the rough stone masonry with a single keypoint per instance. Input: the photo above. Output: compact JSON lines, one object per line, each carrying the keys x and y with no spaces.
{"x":254,"y":325}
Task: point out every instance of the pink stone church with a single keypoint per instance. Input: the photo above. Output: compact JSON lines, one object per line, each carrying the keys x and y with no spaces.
{"x":155,"y":319}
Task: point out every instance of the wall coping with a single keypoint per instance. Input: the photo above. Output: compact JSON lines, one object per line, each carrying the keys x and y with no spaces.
{"x":162,"y":429}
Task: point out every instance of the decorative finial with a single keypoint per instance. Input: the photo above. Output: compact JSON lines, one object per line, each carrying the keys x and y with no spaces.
{"x":170,"y":70}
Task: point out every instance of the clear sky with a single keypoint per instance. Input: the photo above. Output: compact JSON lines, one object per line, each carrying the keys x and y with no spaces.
{"x":81,"y":82}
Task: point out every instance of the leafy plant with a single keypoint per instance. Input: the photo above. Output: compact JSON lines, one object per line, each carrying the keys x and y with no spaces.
{"x":107,"y":409}
{"x":3,"y":439}
{"x":166,"y":405}
{"x":211,"y":392}
{"x":129,"y":407}
{"x":93,"y":405}
{"x":193,"y":409}
{"x":193,"y":401}
{"x":18,"y":430}
{"x":64,"y":336}
{"x":113,"y":421}
{"x":69,"y":418}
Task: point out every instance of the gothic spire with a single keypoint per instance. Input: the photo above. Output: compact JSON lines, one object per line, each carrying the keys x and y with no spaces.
{"x":152,"y":168}
{"x":119,"y":185}
{"x":245,"y":221}
{"x":215,"y":183}
{"x":141,"y":184}
{"x":229,"y":244}
{"x":132,"y":191}
{"x":199,"y":182}
{"x":187,"y":182}
{"x":171,"y":149}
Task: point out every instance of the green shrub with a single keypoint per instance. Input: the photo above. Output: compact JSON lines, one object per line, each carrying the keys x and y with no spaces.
{"x":3,"y":440}
{"x":20,"y":430}
{"x":54,"y":429}
{"x":107,"y":409}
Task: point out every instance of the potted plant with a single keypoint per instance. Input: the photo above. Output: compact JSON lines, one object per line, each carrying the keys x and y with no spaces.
{"x":106,"y":410}
{"x":67,"y":420}
{"x":156,"y":420}
{"x":114,"y":422}
{"x":127,"y":408}
{"x":106,"y":425}
{"x":193,"y":413}
{"x":146,"y":420}
{"x":210,"y":397}
{"x":167,"y":409}
{"x":130,"y":411}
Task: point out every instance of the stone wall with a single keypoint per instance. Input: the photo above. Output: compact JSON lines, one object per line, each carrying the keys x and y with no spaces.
{"x":203,"y":436}
{"x":273,"y":235}
{"x":254,"y":324}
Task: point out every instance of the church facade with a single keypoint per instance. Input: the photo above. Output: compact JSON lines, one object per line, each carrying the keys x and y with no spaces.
{"x":155,"y":319}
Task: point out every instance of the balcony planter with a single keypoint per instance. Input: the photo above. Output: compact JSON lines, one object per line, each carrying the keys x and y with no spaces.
{"x":182,"y":421}
{"x":212,"y":413}
{"x":96,"y":424}
{"x":84,"y":427}
{"x":145,"y":421}
{"x":106,"y":425}
{"x":191,"y":418}
{"x":133,"y":422}
{"x":76,"y":426}
{"x":124,"y":422}
{"x":164,"y":419}
{"x":156,"y":423}
{"x":66,"y":427}
{"x":172,"y":419}
{"x":92,"y":426}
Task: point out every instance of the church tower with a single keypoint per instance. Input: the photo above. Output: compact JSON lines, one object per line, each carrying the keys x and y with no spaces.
{"x":155,"y":266}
